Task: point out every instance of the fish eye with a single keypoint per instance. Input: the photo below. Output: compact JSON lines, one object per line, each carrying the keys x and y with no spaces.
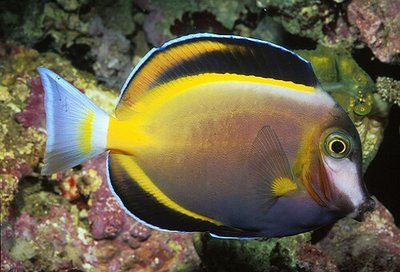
{"x":337,"y":145}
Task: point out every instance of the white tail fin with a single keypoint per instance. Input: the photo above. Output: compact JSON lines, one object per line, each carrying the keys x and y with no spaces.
{"x":76,"y":128}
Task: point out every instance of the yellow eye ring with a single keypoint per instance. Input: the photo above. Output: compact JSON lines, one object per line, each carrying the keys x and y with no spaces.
{"x":337,"y":146}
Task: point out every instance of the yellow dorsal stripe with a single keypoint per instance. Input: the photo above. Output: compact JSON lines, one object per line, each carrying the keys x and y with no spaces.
{"x":86,"y":133}
{"x":166,"y":91}
{"x":282,"y":185}
{"x":137,"y":174}
{"x":155,"y":66}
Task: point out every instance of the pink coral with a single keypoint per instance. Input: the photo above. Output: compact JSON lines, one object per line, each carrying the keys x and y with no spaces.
{"x":24,"y":227}
{"x":311,"y":258}
{"x":378,"y":25}
{"x":106,"y":218}
{"x":8,"y":264}
{"x":33,"y":114}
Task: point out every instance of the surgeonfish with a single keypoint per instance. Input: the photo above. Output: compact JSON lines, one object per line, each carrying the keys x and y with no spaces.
{"x":215,"y":133}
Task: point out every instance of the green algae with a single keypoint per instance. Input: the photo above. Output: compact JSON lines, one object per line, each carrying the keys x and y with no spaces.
{"x":306,"y":18}
{"x":166,"y":12}
{"x":341,"y":76}
{"x":249,"y":255}
{"x":53,"y":234}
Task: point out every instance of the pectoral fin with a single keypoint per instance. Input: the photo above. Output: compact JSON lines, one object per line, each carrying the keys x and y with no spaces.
{"x":269,"y":169}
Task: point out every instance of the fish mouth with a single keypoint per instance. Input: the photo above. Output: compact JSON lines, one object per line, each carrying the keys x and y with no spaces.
{"x":367,"y":206}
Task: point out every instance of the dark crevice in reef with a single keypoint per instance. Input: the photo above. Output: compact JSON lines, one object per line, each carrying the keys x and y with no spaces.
{"x":374,"y":68}
{"x":295,"y":42}
{"x":383,"y":177}
{"x":45,"y":45}
{"x":79,"y":56}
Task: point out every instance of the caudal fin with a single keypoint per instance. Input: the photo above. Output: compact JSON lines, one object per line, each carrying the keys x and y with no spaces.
{"x":76,"y":128}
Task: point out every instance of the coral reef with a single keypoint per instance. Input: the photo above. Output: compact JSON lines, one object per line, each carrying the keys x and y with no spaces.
{"x":374,"y":244}
{"x":389,"y":89}
{"x":309,"y":18}
{"x":284,"y":254}
{"x":111,"y":51}
{"x":15,"y":162}
{"x":106,"y":218}
{"x":377,"y":23}
{"x":47,"y":234}
{"x":70,"y":221}
{"x":92,"y":34}
{"x":163,"y":14}
{"x":373,"y":23}
{"x":355,"y":91}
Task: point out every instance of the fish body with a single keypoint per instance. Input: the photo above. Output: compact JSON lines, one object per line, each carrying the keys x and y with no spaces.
{"x":215,"y":133}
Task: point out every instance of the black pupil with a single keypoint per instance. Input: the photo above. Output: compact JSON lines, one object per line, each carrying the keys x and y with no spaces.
{"x":338,"y":147}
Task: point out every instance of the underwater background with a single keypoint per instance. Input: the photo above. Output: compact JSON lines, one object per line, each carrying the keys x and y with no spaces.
{"x":70,"y":222}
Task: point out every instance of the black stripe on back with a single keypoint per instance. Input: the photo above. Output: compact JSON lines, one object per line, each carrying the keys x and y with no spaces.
{"x":257,"y":59}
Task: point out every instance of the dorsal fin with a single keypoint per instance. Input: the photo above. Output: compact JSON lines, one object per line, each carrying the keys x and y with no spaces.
{"x":210,"y":53}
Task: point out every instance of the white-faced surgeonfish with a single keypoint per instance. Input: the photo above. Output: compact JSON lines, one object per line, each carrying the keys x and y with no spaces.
{"x":215,"y":133}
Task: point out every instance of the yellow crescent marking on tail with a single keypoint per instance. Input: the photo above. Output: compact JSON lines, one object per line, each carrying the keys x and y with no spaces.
{"x":86,"y":132}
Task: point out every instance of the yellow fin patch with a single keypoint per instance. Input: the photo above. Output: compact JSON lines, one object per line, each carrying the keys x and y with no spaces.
{"x":86,"y":133}
{"x":282,"y":185}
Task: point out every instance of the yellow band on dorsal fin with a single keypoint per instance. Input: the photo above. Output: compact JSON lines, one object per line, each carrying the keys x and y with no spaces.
{"x":282,"y":185}
{"x":166,"y":91}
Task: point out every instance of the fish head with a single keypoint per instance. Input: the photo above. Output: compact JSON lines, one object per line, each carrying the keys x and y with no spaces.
{"x":340,"y":185}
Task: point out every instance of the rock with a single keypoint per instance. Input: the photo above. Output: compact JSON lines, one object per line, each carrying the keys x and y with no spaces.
{"x":373,"y":245}
{"x":378,"y":24}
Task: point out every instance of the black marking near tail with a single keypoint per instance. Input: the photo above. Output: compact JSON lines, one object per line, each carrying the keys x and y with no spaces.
{"x":143,"y":206}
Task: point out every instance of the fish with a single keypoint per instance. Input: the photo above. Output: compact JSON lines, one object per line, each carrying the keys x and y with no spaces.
{"x":223,"y":134}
